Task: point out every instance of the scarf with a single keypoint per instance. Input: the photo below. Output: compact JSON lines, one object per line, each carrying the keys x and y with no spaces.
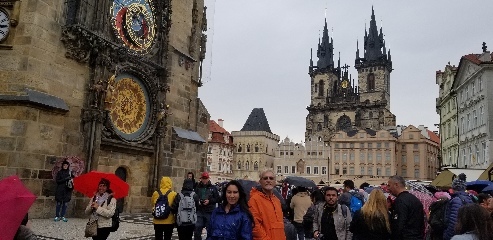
{"x":100,"y":199}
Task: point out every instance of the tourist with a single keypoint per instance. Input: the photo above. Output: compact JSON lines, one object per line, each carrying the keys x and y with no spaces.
{"x":300,"y":204}
{"x":372,"y":221}
{"x":208,"y":197}
{"x":317,"y":197}
{"x":163,"y":228}
{"x":24,"y":232}
{"x":459,"y":199}
{"x":232,"y":219}
{"x":266,"y":209}
{"x":331,"y":220}
{"x":102,"y":207}
{"x":473,"y":223}
{"x":184,"y":206}
{"x":407,"y":214}
{"x":63,"y":193}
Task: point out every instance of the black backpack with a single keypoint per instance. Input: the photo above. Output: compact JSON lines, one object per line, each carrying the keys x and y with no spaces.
{"x":162,"y":209}
{"x":437,"y":220}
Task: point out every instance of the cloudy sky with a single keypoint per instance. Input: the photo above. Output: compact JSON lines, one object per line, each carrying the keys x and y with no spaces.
{"x":259,"y":51}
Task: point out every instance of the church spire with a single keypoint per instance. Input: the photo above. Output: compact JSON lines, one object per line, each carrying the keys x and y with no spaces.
{"x":374,"y":46}
{"x":325,"y":50}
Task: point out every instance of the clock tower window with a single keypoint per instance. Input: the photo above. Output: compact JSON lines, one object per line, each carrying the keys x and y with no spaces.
{"x":321,"y":88}
{"x":371,"y":82}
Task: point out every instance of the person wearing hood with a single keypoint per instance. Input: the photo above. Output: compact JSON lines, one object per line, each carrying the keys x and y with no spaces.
{"x":266,"y":209}
{"x":163,"y":228}
{"x":208,"y":197}
{"x":191,"y":176}
{"x":63,"y":193}
{"x":459,"y":199}
{"x":185,"y":230}
{"x":300,"y":204}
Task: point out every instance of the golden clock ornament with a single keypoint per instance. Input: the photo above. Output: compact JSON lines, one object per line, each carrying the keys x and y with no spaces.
{"x":134,"y":24}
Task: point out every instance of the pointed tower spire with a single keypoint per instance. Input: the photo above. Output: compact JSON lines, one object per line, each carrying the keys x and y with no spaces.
{"x":325,"y":50}
{"x":357,"y":49}
{"x":374,"y":46}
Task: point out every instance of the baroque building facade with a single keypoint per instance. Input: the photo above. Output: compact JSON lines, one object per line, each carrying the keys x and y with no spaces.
{"x":219,"y":153}
{"x":255,"y":146}
{"x":474,"y":91}
{"x":337,"y":103}
{"x":447,"y":109}
{"x":112,"y":82}
{"x":373,"y":156}
{"x":308,"y":160}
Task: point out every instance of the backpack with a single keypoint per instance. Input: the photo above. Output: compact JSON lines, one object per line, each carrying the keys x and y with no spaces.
{"x":355,"y":203}
{"x":115,"y":219}
{"x":162,"y":208}
{"x":187,"y":213}
{"x":437,"y":218}
{"x":438,"y":211}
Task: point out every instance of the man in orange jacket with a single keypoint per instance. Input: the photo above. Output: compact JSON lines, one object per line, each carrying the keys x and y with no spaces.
{"x":266,"y":209}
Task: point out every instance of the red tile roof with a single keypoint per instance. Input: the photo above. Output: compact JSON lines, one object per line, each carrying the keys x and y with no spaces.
{"x":433,"y":137}
{"x":214,"y":127}
{"x":474,"y":58}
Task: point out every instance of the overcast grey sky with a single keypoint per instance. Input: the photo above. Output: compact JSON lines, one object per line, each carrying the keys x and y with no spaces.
{"x":259,"y":51}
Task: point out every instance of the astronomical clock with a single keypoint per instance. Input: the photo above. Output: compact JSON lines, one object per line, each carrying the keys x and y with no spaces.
{"x":129,"y":106}
{"x":134,"y":24}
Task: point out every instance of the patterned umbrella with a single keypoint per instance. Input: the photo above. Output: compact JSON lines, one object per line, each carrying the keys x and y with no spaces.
{"x":418,"y":187}
{"x":77,"y":165}
{"x":425,"y":199}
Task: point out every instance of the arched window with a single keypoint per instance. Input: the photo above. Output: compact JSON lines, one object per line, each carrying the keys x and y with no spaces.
{"x":239,"y":165}
{"x":371,"y":82}
{"x":248,"y":147}
{"x":255,"y":166}
{"x":239,"y":148}
{"x":326,"y":121}
{"x":247,"y":165}
{"x":256,"y":147}
{"x":321,"y":88}
{"x":319,"y":127}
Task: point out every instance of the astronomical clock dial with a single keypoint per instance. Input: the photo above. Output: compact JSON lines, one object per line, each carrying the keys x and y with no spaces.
{"x":345,"y":84}
{"x":130,"y":106}
{"x":134,"y":24}
{"x":4,"y":24}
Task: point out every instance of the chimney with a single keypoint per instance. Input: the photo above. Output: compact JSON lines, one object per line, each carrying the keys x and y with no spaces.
{"x":220,"y":122}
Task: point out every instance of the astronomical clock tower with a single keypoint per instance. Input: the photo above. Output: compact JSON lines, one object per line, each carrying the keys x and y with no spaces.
{"x":337,"y":102}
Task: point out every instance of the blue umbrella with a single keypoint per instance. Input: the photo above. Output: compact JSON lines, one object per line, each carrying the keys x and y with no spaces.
{"x":478,"y":185}
{"x":489,"y":188}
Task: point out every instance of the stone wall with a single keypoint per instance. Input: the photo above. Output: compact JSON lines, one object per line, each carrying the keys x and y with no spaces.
{"x":381,"y":92}
{"x":33,"y":137}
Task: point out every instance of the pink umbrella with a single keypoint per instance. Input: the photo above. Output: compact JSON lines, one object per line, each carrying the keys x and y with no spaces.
{"x":15,"y":200}
{"x":425,"y":199}
{"x":77,"y":165}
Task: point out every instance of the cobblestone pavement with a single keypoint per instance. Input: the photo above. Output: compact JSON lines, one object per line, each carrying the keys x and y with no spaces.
{"x":132,"y":227}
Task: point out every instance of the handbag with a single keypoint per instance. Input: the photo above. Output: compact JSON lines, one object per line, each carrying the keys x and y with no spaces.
{"x":91,"y":228}
{"x":70,"y":183}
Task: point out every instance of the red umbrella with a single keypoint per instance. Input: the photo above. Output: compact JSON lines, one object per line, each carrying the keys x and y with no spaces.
{"x":15,"y":200}
{"x":88,"y":183}
{"x":77,"y":165}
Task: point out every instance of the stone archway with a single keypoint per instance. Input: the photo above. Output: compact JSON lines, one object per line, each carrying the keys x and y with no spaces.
{"x":121,"y":172}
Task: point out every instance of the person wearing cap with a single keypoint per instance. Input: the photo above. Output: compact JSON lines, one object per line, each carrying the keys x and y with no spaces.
{"x":208,"y":197}
{"x":459,"y":199}
{"x":63,"y":194}
{"x":102,"y":207}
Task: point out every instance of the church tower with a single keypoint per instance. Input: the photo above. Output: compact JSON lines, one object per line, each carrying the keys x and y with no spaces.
{"x":336,"y":102}
{"x":374,"y":67}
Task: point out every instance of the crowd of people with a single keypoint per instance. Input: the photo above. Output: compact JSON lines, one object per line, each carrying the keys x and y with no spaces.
{"x":390,"y":211}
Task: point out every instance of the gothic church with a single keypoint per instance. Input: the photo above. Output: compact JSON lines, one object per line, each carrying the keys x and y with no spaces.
{"x":337,"y":103}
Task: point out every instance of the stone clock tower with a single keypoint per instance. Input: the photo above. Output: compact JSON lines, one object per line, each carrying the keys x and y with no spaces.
{"x":337,"y":103}
{"x":111,"y":82}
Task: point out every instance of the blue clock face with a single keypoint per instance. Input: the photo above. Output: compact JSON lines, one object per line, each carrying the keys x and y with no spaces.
{"x":4,"y":24}
{"x":134,"y":24}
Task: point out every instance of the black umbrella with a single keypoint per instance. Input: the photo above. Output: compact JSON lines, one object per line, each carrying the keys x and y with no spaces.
{"x":300,"y":182}
{"x":478,"y":185}
{"x":249,"y":184}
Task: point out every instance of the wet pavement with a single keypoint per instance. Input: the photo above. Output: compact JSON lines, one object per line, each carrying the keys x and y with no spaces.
{"x":132,"y":226}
